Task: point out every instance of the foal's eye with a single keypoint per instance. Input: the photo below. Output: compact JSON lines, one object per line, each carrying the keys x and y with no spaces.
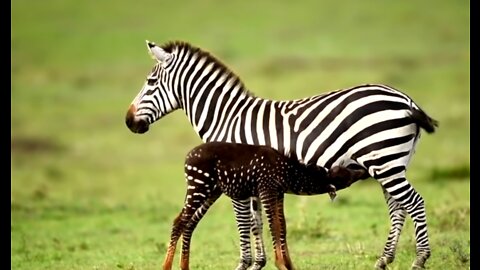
{"x":151,"y":81}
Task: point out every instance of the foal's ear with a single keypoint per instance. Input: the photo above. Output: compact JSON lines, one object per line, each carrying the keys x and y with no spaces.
{"x":158,"y":53}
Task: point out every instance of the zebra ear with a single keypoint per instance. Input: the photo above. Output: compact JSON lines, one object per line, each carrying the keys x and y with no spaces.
{"x":158,"y":53}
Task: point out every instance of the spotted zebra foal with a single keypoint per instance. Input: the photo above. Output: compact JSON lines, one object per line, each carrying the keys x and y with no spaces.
{"x":241,"y":171}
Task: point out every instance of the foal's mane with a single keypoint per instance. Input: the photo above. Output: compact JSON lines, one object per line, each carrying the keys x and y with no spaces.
{"x":217,"y":64}
{"x":292,"y":159}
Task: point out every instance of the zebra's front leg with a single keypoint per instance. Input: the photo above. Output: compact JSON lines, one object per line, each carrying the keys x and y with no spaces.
{"x":413,"y":203}
{"x":397,"y":218}
{"x":242,"y":217}
{"x":257,"y":231}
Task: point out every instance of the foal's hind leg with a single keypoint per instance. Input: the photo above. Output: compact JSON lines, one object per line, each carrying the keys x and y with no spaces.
{"x":270,"y":201}
{"x":283,"y":234}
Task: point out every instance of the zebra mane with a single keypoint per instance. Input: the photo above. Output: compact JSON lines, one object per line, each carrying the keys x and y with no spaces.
{"x":217,"y":64}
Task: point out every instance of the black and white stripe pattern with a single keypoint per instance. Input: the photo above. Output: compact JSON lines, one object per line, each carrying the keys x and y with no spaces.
{"x":371,"y":126}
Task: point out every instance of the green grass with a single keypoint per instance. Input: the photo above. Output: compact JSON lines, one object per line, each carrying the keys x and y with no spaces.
{"x":86,"y":193}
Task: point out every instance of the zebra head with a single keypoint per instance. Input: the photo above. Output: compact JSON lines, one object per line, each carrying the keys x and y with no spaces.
{"x":157,"y":96}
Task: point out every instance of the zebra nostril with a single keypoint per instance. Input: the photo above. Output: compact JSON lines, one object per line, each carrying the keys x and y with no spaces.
{"x":129,"y":121}
{"x":135,"y":125}
{"x":141,"y":126}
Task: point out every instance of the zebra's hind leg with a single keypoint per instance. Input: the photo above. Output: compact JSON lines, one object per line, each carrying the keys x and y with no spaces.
{"x":405,"y":195}
{"x":242,"y":217}
{"x":397,"y":218}
{"x":257,"y":231}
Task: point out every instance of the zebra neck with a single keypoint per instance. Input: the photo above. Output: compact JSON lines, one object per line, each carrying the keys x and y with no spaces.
{"x":243,"y":118}
{"x":211,"y":111}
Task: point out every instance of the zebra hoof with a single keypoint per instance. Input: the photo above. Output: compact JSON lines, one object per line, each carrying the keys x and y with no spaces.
{"x":419,"y":262}
{"x":418,"y":265}
{"x":382,"y":262}
{"x":256,"y":266}
{"x":242,"y":267}
{"x":380,"y":266}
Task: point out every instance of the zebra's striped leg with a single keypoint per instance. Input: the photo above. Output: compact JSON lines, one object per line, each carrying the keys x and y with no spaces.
{"x":257,"y":231}
{"x":397,"y":218}
{"x":283,"y":234}
{"x":410,"y":200}
{"x":270,"y":202}
{"x":192,"y":224}
{"x":242,"y":217}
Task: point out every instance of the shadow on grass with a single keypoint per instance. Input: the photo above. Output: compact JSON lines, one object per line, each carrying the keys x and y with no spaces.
{"x":457,"y":172}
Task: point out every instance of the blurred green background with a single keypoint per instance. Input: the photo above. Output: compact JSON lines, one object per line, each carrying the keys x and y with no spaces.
{"x":86,"y":193}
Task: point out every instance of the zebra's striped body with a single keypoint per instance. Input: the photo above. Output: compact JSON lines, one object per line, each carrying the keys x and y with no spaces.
{"x":375,"y":127}
{"x":241,"y":171}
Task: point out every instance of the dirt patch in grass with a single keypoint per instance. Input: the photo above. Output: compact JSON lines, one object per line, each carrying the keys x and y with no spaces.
{"x":30,"y":145}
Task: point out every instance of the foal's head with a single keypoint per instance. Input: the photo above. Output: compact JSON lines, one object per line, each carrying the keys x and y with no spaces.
{"x":342,"y":177}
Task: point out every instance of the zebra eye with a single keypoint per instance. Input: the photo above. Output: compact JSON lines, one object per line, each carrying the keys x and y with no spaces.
{"x":151,"y":81}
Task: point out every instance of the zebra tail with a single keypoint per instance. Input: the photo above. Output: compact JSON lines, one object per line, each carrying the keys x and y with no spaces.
{"x":423,"y":120}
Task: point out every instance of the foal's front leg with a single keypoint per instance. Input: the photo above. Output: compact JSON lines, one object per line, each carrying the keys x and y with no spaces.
{"x":242,"y":217}
{"x":177,"y":229}
{"x":192,"y":224}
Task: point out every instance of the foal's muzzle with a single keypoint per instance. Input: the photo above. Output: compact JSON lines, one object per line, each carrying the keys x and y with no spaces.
{"x":134,"y":124}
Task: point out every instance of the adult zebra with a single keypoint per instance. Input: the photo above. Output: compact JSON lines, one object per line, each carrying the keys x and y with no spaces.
{"x":372,"y":126}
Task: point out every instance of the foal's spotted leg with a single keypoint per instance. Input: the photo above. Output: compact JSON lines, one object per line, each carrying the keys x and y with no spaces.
{"x":283,"y":234}
{"x":177,"y":229}
{"x":192,"y":224}
{"x":270,"y":200}
{"x":193,"y":211}
{"x":242,"y":217}
{"x":257,"y":231}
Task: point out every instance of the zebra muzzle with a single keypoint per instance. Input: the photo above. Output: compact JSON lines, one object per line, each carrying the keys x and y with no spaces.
{"x":135,"y":124}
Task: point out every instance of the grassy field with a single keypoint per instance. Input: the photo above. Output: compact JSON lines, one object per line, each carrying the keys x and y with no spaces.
{"x":86,"y":193}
